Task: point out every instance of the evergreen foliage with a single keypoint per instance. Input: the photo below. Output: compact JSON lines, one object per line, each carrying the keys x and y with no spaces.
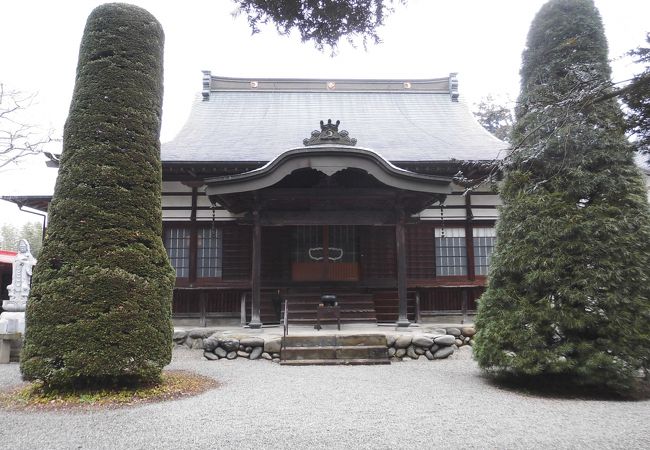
{"x":495,"y":117}
{"x":100,"y":307}
{"x":637,"y":98}
{"x":324,"y":22}
{"x":569,"y":291}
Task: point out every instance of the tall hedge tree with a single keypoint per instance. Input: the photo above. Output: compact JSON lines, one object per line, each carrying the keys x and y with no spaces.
{"x":569,"y":286}
{"x":100,"y":307}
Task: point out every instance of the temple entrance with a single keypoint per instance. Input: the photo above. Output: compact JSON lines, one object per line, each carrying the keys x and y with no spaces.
{"x":325,"y":253}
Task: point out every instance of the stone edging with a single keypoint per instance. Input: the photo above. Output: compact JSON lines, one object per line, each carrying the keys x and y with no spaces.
{"x":437,"y":344}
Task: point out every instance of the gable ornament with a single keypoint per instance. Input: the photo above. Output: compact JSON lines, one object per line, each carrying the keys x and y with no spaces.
{"x":329,"y":134}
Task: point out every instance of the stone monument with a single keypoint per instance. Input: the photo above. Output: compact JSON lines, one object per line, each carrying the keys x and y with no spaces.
{"x":13,"y":319}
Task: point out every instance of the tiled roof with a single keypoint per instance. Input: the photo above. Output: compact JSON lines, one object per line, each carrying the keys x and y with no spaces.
{"x":235,"y":121}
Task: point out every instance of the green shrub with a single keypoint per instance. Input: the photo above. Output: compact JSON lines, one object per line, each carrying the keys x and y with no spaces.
{"x":569,"y":291}
{"x":100,"y":307}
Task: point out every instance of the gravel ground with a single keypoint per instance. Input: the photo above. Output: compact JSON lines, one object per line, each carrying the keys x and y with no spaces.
{"x":421,"y":404}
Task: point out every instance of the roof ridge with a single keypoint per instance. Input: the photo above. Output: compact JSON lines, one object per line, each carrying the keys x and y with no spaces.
{"x":445,"y":85}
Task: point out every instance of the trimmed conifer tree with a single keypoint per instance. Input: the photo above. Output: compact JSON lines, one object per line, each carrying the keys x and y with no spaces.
{"x":569,"y":288}
{"x":100,"y":307}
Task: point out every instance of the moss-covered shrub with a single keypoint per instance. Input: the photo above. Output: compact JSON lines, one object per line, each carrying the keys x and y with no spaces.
{"x":100,"y":308}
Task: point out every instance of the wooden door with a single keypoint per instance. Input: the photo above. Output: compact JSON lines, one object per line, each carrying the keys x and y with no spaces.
{"x":325,"y":253}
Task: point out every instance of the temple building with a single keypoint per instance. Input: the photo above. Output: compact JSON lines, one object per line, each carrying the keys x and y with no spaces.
{"x":296,"y":188}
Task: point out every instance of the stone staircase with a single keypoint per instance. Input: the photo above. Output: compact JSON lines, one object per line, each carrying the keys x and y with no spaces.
{"x":355,"y":349}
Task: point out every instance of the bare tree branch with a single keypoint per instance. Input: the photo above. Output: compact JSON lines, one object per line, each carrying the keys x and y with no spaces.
{"x":17,"y":138}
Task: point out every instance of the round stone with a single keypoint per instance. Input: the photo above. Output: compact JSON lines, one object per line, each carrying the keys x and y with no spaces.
{"x":210,"y":344}
{"x":231,"y":355}
{"x":201,"y":333}
{"x":267,"y":356}
{"x":453,"y":331}
{"x":403,"y":341}
{"x":419,"y":350}
{"x":468,"y":331}
{"x":410,"y":352}
{"x":390,"y":340}
{"x":256,"y":352}
{"x":400,"y":352}
{"x":210,"y":356}
{"x":229,"y":344}
{"x":248,"y":349}
{"x":220,"y":352}
{"x":273,"y":345}
{"x":243,"y":354}
{"x":391,"y":352}
{"x":445,"y":340}
{"x":423,"y":341}
{"x":428,"y":354}
{"x":443,"y":352}
{"x":179,"y":336}
{"x":252,"y":342}
{"x":459,"y":342}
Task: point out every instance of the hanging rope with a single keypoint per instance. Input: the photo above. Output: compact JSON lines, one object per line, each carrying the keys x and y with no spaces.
{"x":213,"y":229}
{"x":442,"y":220}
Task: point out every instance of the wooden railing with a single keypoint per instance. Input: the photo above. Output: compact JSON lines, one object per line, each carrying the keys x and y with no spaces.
{"x":285,"y":318}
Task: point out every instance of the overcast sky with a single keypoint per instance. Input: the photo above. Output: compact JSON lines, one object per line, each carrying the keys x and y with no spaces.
{"x":481,"y":40}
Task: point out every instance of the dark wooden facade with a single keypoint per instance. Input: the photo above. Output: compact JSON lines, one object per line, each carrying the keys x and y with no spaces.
{"x":375,"y":272}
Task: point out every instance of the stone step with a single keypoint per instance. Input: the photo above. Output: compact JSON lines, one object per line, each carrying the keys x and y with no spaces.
{"x":310,"y":341}
{"x":333,"y":362}
{"x":335,"y":349}
{"x":333,"y":340}
{"x":335,"y":352}
{"x":361,"y":339}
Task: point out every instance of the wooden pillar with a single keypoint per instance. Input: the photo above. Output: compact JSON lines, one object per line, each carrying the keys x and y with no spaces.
{"x":469,"y":237}
{"x":464,"y":305}
{"x":193,"y":238}
{"x":255,"y":271}
{"x":242,"y":309}
{"x":400,"y":239}
{"x":202,"y":301}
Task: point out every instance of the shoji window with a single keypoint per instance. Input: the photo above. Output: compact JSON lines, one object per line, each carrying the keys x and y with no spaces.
{"x":484,"y":239}
{"x":451,"y":252}
{"x":177,"y":242}
{"x":208,"y":253}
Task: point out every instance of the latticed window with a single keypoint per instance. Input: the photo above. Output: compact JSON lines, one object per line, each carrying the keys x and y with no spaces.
{"x":451,"y":252}
{"x":208,"y":253}
{"x":177,"y":243}
{"x":484,"y":239}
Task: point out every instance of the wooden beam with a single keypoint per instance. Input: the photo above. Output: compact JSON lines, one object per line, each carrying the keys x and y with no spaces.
{"x":359,"y":217}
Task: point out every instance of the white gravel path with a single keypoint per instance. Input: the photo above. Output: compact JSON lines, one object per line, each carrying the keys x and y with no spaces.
{"x":418,"y":404}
